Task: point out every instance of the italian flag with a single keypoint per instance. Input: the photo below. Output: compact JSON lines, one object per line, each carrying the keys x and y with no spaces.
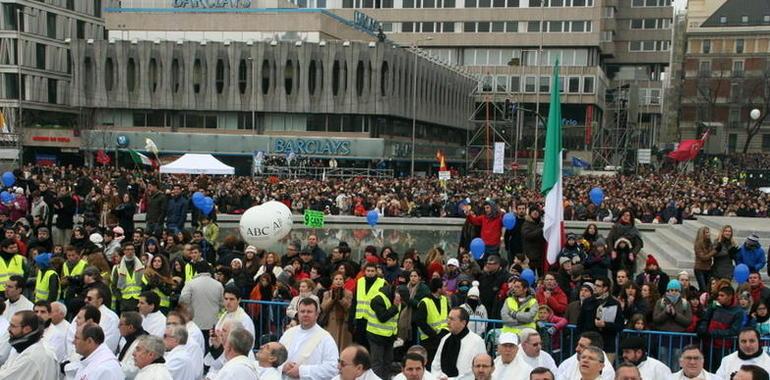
{"x":139,"y":158}
{"x":551,"y":188}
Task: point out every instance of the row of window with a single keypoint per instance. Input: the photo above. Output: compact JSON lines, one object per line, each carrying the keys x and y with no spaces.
{"x":33,"y":22}
{"x":487,"y":27}
{"x":560,"y":26}
{"x":531,"y":84}
{"x":650,"y":3}
{"x":651,"y":23}
{"x":704,"y":68}
{"x":740,"y":45}
{"x":644,"y":46}
{"x":451,"y":3}
{"x":515,"y":57}
{"x":745,"y":19}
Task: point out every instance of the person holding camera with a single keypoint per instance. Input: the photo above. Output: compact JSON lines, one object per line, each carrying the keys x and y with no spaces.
{"x":334,"y":311}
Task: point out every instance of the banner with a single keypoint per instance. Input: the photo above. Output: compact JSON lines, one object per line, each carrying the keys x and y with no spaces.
{"x":499,"y":164}
{"x":644,"y":156}
{"x":314,"y":219}
{"x":444,"y":175}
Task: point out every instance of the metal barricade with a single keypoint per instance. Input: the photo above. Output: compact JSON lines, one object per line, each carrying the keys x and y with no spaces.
{"x":269,"y":316}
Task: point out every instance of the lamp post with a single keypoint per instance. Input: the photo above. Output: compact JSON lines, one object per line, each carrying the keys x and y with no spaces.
{"x":414,"y":99}
{"x":755,"y":114}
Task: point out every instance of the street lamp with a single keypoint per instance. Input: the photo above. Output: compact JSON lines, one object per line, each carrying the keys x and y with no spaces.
{"x":755,"y":114}
{"x":414,"y":99}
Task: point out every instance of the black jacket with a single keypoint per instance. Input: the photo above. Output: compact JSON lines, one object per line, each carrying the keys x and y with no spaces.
{"x":156,"y":208}
{"x":383,"y":314}
{"x":489,"y":286}
{"x":587,"y":319}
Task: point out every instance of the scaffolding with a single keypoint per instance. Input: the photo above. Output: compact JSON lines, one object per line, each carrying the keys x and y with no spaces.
{"x":490,"y":122}
{"x":616,"y":140}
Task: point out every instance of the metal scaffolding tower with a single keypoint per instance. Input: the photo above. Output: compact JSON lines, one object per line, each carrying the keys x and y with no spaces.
{"x":490,"y":125}
{"x":616,"y":140}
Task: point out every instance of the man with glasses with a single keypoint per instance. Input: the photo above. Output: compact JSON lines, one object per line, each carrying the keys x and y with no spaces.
{"x":570,"y":368}
{"x":749,"y":352}
{"x":591,"y":361}
{"x":483,"y":366}
{"x":534,"y":356}
{"x":131,"y":330}
{"x":635,"y":352}
{"x":292,"y":251}
{"x":604,"y":316}
{"x":33,"y":359}
{"x":692,"y":362}
{"x":457,"y":349}
{"x":355,"y":364}
{"x":179,"y":357}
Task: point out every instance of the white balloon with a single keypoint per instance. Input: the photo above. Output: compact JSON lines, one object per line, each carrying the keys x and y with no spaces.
{"x":283,"y":212}
{"x":264,"y":225}
{"x":755,"y":114}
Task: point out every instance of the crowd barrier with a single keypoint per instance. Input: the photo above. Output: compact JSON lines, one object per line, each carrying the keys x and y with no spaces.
{"x":270,"y":319}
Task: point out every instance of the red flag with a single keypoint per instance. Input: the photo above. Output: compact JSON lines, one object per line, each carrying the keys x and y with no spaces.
{"x":102,"y":157}
{"x":688,"y":149}
{"x":441,"y":161}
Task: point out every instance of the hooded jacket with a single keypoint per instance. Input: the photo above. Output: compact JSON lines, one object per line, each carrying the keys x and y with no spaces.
{"x":491,"y":225}
{"x":754,"y":258}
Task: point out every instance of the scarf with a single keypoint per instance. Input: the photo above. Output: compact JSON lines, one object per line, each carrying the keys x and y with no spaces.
{"x":743,"y":356}
{"x":763,"y":319}
{"x":23,"y":342}
{"x":123,"y":268}
{"x":130,"y":339}
{"x":451,"y":352}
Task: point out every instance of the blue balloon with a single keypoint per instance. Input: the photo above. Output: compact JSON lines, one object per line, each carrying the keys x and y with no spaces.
{"x":529,"y":275}
{"x":8,"y":179}
{"x":741,"y":274}
{"x":372,"y":217}
{"x":207,"y":205}
{"x":197,"y":196}
{"x":477,"y":248}
{"x":509,"y":221}
{"x":597,"y":196}
{"x":6,"y":197}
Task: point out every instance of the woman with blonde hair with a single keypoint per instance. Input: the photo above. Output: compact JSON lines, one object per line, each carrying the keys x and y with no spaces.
{"x":725,"y":249}
{"x":704,"y":257}
{"x":435,"y":262}
{"x":305,"y":288}
{"x":271,"y":264}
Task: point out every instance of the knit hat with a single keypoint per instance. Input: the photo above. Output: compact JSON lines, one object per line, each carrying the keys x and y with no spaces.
{"x":250,"y":248}
{"x":234,"y":260}
{"x":97,"y":239}
{"x":474,"y":290}
{"x":563,"y":259}
{"x":43,"y":260}
{"x":453,"y":262}
{"x":589,"y":286}
{"x":752,"y":238}
{"x":600,"y":241}
{"x":118,"y":230}
{"x":675,"y":285}
{"x":19,"y":190}
{"x":651,"y":261}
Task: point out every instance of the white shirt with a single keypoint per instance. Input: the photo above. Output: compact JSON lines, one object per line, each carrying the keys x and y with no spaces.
{"x":470,"y":346}
{"x":368,"y":375}
{"x":517,"y":369}
{"x":181,"y":364}
{"x":321,"y":363}
{"x":543,"y":359}
{"x":155,"y":371}
{"x":100,"y":365}
{"x":5,"y":347}
{"x":269,"y":373}
{"x":570,"y":370}
{"x":425,"y":376}
{"x":238,"y":368}
{"x":217,"y":364}
{"x":195,"y":336}
{"x":239,"y":316}
{"x":21,"y":304}
{"x":652,"y":368}
{"x":154,"y":324}
{"x":109,"y":324}
{"x":127,"y":365}
{"x":704,"y":375}
{"x":732,"y":363}
{"x":55,"y":337}
{"x":37,"y":362}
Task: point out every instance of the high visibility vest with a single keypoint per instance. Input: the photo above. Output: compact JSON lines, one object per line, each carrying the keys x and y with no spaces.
{"x":42,"y":284}
{"x":189,"y":272}
{"x":132,"y":289}
{"x":164,"y":298}
{"x":76,"y":271}
{"x":388,"y":328}
{"x":513,"y":305}
{"x":15,"y":267}
{"x":364,"y":299}
{"x":436,"y":318}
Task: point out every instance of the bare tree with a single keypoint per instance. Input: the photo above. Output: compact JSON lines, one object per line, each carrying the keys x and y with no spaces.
{"x":757,"y":98}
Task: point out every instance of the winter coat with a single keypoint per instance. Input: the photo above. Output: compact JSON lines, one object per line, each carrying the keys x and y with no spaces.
{"x":176,"y":211}
{"x":704,"y":258}
{"x":676,"y":323}
{"x":125,"y":214}
{"x":156,"y":208}
{"x":513,"y":241}
{"x":335,"y":311}
{"x":658,"y":277}
{"x":598,"y":266}
{"x":755,"y":258}
{"x":629,"y":232}
{"x":721,"y":324}
{"x":723,"y":260}
{"x":591,"y":309}
{"x":533,"y":242}
{"x":557,"y":302}
{"x":491,"y":227}
{"x":489,"y":285}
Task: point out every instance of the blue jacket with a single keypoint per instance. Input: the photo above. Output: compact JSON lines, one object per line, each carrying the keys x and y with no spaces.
{"x":755,"y":258}
{"x":176,"y":211}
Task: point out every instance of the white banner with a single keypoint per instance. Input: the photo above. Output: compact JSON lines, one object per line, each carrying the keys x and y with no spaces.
{"x":444,"y":175}
{"x":644,"y":156}
{"x":499,"y":164}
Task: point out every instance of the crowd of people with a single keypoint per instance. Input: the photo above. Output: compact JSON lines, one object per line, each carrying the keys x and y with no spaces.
{"x":90,"y":294}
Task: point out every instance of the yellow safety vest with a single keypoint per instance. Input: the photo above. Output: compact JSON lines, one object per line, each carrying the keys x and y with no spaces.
{"x":42,"y":284}
{"x":513,"y":305}
{"x":388,"y":328}
{"x":189,"y":272}
{"x":363,"y":299}
{"x":76,"y":271}
{"x":15,"y":267}
{"x":132,"y":289}
{"x":164,"y":298}
{"x":436,"y":319}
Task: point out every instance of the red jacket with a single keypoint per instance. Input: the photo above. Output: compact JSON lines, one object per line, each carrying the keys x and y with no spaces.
{"x":557,"y":302}
{"x":491,"y":229}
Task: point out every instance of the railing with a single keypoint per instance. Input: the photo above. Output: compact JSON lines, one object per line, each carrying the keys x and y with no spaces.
{"x":662,"y":345}
{"x":322,"y":172}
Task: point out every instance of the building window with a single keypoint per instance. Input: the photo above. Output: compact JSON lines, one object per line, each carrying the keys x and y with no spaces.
{"x":154,"y":74}
{"x":533,"y":26}
{"x":336,"y":78}
{"x":109,"y":74}
{"x":723,"y":19}
{"x":40,"y":56}
{"x":407,"y":27}
{"x":706,"y":47}
{"x":529,"y":84}
{"x":220,"y":76}
{"x":288,"y":77}
{"x":545,"y":84}
{"x":732,"y":142}
{"x":515,"y":84}
{"x":52,"y":91}
{"x":384,"y":77}
{"x":498,"y":26}
{"x":243,"y":76}
{"x":588,"y":85}
{"x":573,"y":85}
{"x":766,"y":19}
{"x":483,"y":27}
{"x":176,"y":75}
{"x":265,"y":77}
{"x":360,"y":78}
{"x":766,"y":142}
{"x":51,"y":24}
{"x":739,"y":43}
{"x":738,"y":69}
{"x":131,"y":75}
{"x":744,"y":19}
{"x":448,"y":27}
{"x":197,"y":78}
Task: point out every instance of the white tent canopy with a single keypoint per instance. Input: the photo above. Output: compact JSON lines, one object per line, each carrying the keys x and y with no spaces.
{"x":192,"y":163}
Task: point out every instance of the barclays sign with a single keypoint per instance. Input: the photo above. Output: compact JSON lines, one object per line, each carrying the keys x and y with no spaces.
{"x":205,"y":4}
{"x":325,"y":147}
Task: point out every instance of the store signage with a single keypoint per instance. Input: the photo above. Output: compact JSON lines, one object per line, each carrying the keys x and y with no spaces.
{"x":51,"y":139}
{"x":362,"y":20}
{"x":122,"y":141}
{"x":203,"y":4}
{"x":325,"y":147}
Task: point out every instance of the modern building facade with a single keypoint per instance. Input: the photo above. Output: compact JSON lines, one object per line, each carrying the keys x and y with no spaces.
{"x":725,"y":68}
{"x":35,"y":61}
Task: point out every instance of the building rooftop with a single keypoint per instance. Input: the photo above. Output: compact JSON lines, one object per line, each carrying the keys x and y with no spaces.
{"x":740,"y":13}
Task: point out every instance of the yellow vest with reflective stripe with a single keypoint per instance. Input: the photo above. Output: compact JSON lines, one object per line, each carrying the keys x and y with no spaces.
{"x":15,"y":267}
{"x":388,"y":328}
{"x":164,"y":298}
{"x":42,"y":284}
{"x":436,"y":318}
{"x":189,"y":272}
{"x":364,"y":299}
{"x":132,"y":288}
{"x":76,"y":271}
{"x":513,"y":305}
